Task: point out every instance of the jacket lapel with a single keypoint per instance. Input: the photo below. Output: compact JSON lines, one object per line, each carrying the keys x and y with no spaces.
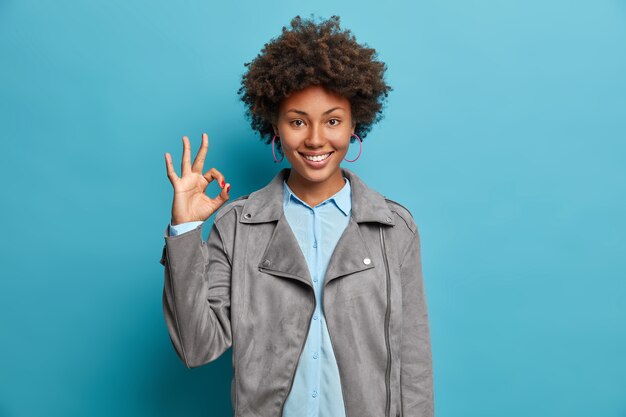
{"x":350,"y":255}
{"x":283,"y":256}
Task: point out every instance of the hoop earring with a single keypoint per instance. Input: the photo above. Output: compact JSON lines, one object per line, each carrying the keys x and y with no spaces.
{"x":360,"y":148}
{"x":274,"y":153}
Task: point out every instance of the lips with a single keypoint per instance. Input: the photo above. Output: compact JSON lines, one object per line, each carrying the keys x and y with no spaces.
{"x":317,"y":156}
{"x":317,"y":164}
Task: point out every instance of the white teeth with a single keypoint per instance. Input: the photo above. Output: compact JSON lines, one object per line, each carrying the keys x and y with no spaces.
{"x":317,"y":158}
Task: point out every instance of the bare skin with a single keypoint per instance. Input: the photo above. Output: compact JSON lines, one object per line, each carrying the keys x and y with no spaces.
{"x":190,"y":201}
{"x":315,"y":120}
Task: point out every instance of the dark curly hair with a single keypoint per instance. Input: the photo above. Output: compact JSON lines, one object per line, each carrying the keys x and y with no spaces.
{"x":314,"y":54}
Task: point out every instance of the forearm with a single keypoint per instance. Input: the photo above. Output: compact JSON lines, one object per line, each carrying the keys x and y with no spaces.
{"x":196,"y":296}
{"x":417,"y":372}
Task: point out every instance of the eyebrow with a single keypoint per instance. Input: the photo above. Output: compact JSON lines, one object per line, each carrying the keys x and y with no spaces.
{"x":304,"y":113}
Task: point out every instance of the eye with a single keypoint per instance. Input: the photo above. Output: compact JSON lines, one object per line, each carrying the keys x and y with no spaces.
{"x":295,"y":121}
{"x":335,"y":124}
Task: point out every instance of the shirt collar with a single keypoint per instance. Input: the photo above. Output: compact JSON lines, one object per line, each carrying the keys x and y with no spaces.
{"x":266,"y":203}
{"x":341,"y":198}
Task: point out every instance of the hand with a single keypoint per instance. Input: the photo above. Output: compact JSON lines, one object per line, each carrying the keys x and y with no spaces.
{"x":190,"y":201}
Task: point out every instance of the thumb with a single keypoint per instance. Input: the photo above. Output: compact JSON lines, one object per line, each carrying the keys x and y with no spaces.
{"x":224,"y":195}
{"x":225,"y":191}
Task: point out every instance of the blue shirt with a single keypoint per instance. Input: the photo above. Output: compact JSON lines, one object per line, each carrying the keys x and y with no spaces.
{"x":316,"y":390}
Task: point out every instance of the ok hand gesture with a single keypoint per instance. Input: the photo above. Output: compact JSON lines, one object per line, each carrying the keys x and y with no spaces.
{"x":190,"y":201}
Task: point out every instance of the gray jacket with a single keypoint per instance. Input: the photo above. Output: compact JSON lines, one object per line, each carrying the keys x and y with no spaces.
{"x":248,"y":286}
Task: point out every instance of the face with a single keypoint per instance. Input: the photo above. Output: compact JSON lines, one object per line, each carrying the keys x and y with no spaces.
{"x":315,"y":122}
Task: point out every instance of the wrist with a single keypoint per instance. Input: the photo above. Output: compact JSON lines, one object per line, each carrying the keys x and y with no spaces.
{"x":176,"y":222}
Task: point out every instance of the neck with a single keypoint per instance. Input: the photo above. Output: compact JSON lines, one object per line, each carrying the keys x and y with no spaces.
{"x":312,"y":192}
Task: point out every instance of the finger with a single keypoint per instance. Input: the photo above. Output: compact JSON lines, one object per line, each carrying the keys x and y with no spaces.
{"x":171,"y":172}
{"x":186,"y":162}
{"x":225,"y":192}
{"x":212,"y":174}
{"x":198,"y":163}
{"x":223,"y":196}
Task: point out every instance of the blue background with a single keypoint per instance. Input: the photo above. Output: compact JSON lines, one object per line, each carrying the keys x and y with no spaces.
{"x":504,"y":136}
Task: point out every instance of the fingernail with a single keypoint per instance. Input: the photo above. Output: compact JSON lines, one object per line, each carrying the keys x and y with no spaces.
{"x":228,"y":188}
{"x":222,"y":184}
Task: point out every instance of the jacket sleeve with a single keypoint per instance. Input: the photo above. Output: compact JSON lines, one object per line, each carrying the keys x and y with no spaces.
{"x":416,"y":375}
{"x":196,"y":295}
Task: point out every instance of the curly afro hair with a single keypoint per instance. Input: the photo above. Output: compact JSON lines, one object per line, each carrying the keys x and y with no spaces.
{"x":314,"y":54}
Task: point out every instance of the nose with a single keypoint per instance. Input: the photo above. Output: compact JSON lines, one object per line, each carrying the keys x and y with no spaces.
{"x":315,"y":139}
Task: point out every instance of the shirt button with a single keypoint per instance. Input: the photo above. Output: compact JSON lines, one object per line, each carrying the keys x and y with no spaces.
{"x":314,"y":393}
{"x":367,"y":261}
{"x":266,"y":262}
{"x":315,"y":316}
{"x":315,"y":355}
{"x":314,"y":279}
{"x":388,"y":219}
{"x":247,"y":215}
{"x":315,"y":244}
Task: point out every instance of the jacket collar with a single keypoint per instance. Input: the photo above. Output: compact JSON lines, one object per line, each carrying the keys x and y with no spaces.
{"x":341,"y":199}
{"x":266,"y":204}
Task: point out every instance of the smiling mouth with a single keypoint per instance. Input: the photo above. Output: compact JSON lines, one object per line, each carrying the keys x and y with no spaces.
{"x":317,"y":158}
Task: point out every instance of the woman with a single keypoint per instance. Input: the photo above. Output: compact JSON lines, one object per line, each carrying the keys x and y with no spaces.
{"x":315,"y":280}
